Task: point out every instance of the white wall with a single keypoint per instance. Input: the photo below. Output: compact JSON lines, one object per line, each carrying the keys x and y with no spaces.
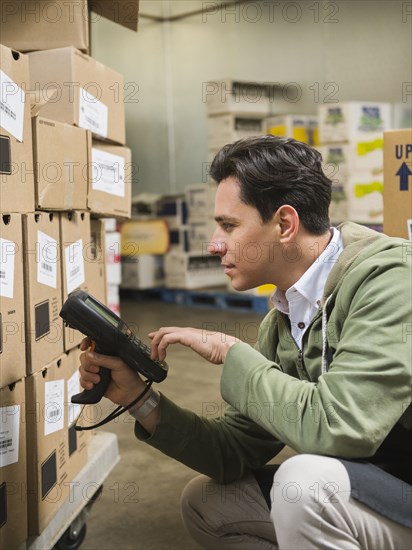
{"x":347,"y":49}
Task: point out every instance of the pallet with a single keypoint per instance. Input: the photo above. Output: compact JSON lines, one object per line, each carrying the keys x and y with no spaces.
{"x":211,"y":299}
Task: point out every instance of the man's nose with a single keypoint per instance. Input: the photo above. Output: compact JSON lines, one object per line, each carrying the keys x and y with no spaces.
{"x":216,"y":247}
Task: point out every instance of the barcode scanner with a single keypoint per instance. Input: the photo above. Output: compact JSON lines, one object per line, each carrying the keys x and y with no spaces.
{"x":110,"y":336}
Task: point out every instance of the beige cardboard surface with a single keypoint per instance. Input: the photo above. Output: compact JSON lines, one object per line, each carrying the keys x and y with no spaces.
{"x":53,"y":456}
{"x":13,"y":477}
{"x":397,"y":188}
{"x":29,"y":25}
{"x":44,"y":24}
{"x":110,"y":188}
{"x":75,"y":251}
{"x":61,"y":154}
{"x":43,"y":294}
{"x":16,"y":166}
{"x":12,"y":344}
{"x":90,"y":94}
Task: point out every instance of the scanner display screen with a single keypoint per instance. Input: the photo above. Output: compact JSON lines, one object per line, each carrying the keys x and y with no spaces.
{"x":102,"y":311}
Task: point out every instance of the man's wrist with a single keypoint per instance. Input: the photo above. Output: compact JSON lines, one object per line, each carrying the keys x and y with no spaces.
{"x":142,"y":409}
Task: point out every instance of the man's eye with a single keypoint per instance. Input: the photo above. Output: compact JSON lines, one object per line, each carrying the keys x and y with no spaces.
{"x":227,"y":226}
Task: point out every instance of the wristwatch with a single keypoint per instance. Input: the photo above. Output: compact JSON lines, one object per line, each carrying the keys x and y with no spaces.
{"x":151,"y":402}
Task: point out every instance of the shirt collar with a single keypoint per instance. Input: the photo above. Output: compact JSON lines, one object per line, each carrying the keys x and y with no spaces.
{"x":312,"y":283}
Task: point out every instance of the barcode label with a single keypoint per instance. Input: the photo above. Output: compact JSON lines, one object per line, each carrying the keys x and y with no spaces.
{"x":75,"y":274}
{"x":6,"y":443}
{"x":74,"y":271}
{"x":9,"y":434}
{"x":12,"y":100}
{"x":47,"y":260}
{"x":54,"y":406}
{"x":108,"y":173}
{"x":7,"y":256}
{"x":93,"y":114}
{"x":8,"y":111}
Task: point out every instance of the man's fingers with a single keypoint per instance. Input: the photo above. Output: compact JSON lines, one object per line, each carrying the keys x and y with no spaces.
{"x":85,"y":344}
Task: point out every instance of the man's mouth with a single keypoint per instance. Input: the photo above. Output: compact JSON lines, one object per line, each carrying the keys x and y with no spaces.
{"x":228,"y":268}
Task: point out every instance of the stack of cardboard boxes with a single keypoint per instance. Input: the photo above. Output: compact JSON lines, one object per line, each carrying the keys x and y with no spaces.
{"x":351,"y":137}
{"x":64,"y":167}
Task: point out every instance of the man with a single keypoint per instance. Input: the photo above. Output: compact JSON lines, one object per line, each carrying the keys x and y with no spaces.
{"x":330,"y":375}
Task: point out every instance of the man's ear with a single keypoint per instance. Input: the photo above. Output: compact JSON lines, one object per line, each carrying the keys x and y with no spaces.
{"x":288,"y":223}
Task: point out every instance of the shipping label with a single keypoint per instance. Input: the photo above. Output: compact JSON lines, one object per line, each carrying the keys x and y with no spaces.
{"x":93,"y":113}
{"x":9,"y":434}
{"x":48,"y":254}
{"x":73,"y":256}
{"x":7,"y":253}
{"x":12,"y":99}
{"x":53,"y":406}
{"x":108,"y":173}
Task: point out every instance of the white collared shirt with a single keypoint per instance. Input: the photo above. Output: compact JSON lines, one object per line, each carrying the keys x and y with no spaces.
{"x":302,"y":300}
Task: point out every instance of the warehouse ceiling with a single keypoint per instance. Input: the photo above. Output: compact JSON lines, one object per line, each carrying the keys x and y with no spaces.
{"x":176,"y":9}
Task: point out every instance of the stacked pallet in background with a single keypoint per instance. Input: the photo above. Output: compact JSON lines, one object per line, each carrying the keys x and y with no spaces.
{"x":64,"y":167}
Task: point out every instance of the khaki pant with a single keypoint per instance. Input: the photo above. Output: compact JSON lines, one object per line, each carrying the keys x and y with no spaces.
{"x":311,"y":509}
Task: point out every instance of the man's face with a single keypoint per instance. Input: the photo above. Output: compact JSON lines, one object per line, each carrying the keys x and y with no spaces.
{"x":248,"y":247}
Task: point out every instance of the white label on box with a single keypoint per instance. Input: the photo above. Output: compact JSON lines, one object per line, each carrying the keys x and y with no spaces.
{"x":93,"y":114}
{"x":48,"y":254}
{"x":73,"y":387}
{"x":9,"y":435}
{"x":12,"y":99}
{"x":7,"y":252}
{"x":108,"y":173}
{"x":73,"y":256}
{"x":53,"y":406}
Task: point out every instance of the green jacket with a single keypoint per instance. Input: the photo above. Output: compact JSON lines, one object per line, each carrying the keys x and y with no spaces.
{"x":360,"y":408}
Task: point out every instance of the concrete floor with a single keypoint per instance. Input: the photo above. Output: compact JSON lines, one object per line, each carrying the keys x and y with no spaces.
{"x":139,"y":506}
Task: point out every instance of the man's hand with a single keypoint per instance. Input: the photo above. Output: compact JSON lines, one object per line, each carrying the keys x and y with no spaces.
{"x":125,"y":384}
{"x":212,"y":346}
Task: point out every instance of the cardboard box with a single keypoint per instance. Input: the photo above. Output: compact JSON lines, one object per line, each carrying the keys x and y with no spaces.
{"x":224,"y":129}
{"x":236,"y":97}
{"x":75,"y":240}
{"x":346,"y":121}
{"x":43,"y":290}
{"x":12,"y":344}
{"x":113,"y":265}
{"x":303,"y":128}
{"x":96,"y":258}
{"x":61,"y":161}
{"x":365,"y":200}
{"x":192,"y":270}
{"x":55,"y":453}
{"x":144,"y":237}
{"x":173,"y":209}
{"x":16,"y":165}
{"x":359,"y":155}
{"x":200,"y":234}
{"x":200,"y":200}
{"x":110,"y":188}
{"x":13,"y":476}
{"x":146,"y":271}
{"x":28,"y":25}
{"x":397,"y":189}
{"x":89,"y":94}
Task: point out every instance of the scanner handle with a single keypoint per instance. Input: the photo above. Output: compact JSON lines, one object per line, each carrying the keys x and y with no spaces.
{"x":93,"y":396}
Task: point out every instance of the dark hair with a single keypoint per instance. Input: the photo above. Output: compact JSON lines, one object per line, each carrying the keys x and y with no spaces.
{"x":273,"y":171}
